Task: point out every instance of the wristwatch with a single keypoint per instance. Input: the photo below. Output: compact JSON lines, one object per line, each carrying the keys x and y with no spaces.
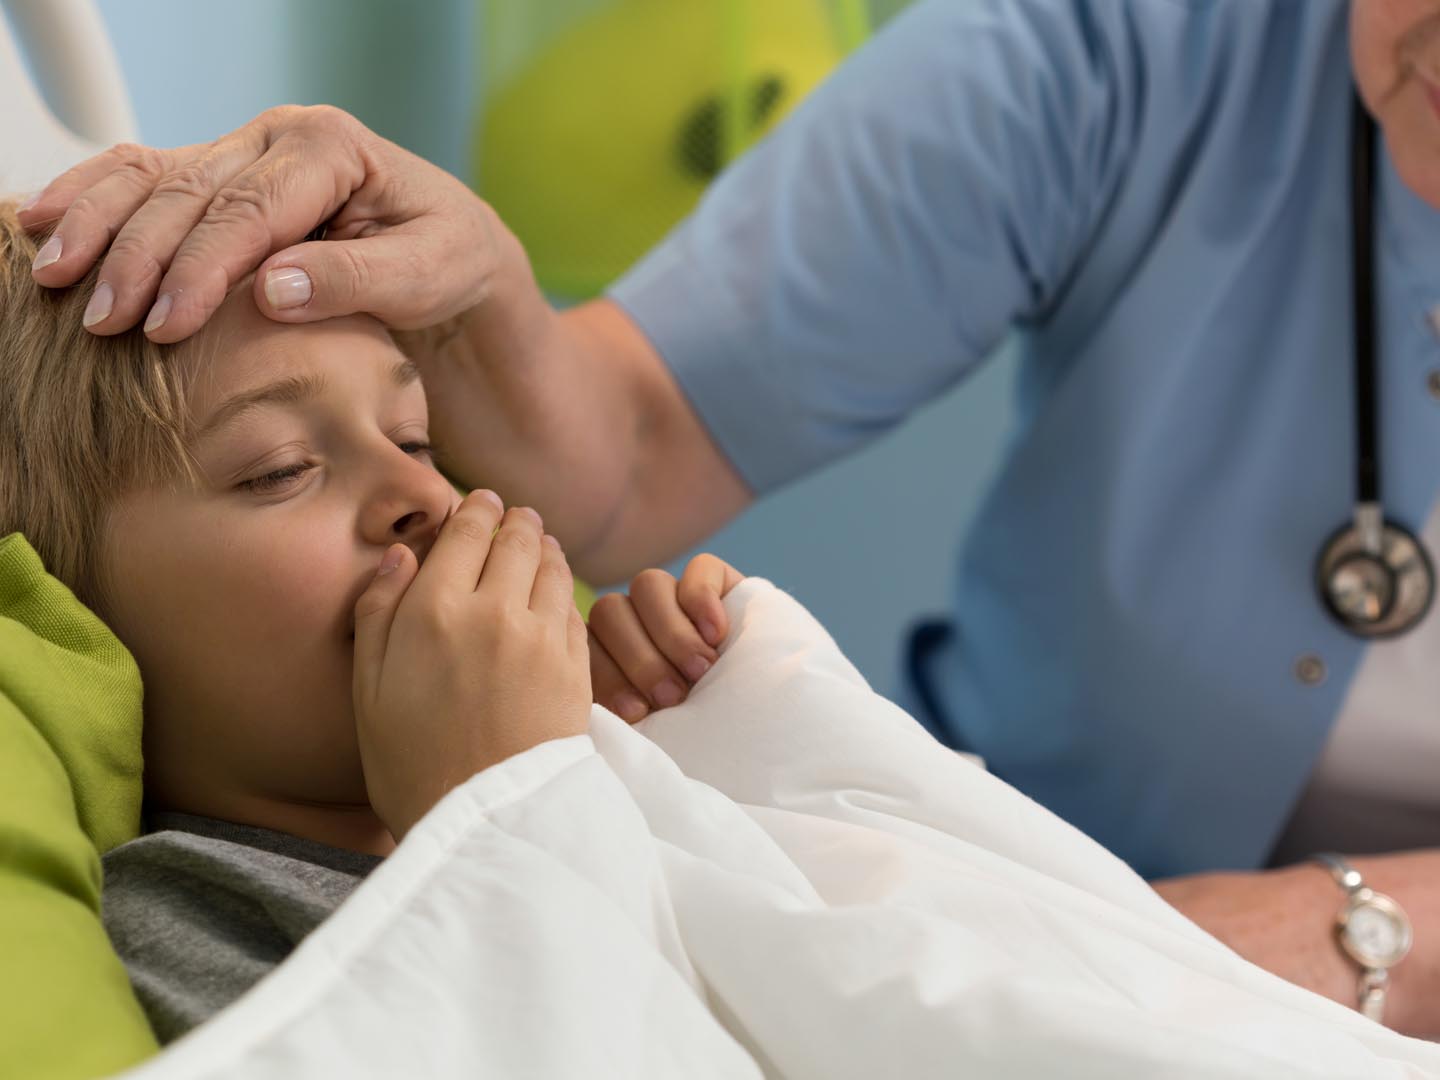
{"x":1372,"y":929}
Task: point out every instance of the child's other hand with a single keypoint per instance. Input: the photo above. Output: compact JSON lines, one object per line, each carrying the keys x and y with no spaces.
{"x":463,"y":662}
{"x":649,"y":647}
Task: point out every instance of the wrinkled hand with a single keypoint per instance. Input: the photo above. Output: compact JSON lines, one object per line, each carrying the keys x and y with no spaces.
{"x":1284,"y":921}
{"x":407,"y":242}
{"x":463,"y":662}
{"x":648,"y":648}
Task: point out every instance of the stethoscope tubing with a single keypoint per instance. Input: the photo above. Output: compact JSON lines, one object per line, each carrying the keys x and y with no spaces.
{"x":1363,"y":286}
{"x":1374,"y":575}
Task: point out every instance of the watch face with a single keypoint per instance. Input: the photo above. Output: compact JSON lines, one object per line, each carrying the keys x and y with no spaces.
{"x":1375,"y":931}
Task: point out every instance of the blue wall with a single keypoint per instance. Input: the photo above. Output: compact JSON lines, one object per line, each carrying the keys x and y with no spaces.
{"x":199,"y":69}
{"x":867,"y":544}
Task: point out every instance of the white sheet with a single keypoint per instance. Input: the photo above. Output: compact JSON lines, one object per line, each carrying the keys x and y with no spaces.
{"x":784,"y":876}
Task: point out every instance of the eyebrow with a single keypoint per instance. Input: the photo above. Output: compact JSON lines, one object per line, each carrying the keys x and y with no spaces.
{"x":291,"y":390}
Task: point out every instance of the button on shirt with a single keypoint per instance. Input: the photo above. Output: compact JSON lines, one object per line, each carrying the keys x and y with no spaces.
{"x":1154,"y":194}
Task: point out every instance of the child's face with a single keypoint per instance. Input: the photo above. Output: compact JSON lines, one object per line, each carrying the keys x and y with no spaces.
{"x":236,"y":597}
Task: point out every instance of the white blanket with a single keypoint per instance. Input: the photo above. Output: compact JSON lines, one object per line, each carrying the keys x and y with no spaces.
{"x":784,"y":876}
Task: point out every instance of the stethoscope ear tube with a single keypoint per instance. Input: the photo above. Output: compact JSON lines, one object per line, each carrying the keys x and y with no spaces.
{"x":1374,"y":576}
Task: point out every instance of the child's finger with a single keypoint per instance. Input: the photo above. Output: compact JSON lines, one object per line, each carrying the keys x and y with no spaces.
{"x":614,"y":622}
{"x":653,"y":595}
{"x":461,"y":546}
{"x":705,"y":581}
{"x":375,"y":613}
{"x":610,"y":688}
{"x":577,"y":634}
{"x":515,"y":555}
{"x":553,"y":594}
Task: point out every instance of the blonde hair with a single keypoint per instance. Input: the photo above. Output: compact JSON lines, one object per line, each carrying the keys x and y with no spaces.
{"x":83,"y":419}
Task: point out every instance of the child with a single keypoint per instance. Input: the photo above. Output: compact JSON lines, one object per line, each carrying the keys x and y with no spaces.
{"x":223,"y":506}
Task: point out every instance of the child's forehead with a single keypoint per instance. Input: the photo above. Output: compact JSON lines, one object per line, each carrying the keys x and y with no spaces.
{"x":240,"y":348}
{"x":240,"y":328}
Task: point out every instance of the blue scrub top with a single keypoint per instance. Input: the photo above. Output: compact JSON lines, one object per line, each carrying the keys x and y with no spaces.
{"x":1154,"y":194}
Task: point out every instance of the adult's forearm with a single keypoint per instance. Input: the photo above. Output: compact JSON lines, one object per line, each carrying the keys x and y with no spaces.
{"x":1284,"y":921}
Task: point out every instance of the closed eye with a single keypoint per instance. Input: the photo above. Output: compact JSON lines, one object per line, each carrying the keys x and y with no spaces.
{"x":274,"y":480}
{"x":279,"y":478}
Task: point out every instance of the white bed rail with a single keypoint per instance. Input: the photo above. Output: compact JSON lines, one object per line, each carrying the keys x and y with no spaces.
{"x":70,"y":102}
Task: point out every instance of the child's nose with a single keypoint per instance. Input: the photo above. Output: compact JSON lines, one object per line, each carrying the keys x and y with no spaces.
{"x":417,"y":531}
{"x":409,"y":506}
{"x":404,"y":523}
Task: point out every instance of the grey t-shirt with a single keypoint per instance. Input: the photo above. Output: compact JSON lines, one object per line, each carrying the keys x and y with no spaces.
{"x":200,"y":910}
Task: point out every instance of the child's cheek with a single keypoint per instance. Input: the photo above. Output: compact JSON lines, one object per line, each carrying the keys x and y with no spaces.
{"x":293,"y":584}
{"x":305,"y":597}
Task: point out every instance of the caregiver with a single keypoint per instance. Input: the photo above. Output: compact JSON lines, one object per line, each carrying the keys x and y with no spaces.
{"x":1160,"y":197}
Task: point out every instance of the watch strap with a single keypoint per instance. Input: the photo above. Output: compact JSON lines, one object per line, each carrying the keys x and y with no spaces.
{"x":1374,"y":982}
{"x":1345,"y":875}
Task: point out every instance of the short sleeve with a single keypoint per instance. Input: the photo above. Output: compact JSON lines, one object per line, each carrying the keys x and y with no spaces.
{"x":938,"y":187}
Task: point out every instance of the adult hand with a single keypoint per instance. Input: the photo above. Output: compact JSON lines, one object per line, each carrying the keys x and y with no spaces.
{"x":650,"y":646}
{"x":407,"y":242}
{"x":463,"y":662}
{"x":1284,"y":921}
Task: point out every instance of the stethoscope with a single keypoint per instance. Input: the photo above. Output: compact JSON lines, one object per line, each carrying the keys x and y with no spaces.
{"x":1374,"y":575}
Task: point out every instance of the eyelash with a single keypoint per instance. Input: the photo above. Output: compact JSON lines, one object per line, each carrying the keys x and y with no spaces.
{"x":273,"y":480}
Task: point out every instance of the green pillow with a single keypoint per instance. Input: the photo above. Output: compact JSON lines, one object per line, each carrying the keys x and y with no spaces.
{"x":69,"y":789}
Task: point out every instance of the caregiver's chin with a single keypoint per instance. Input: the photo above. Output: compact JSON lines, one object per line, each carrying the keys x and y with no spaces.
{"x":1395,"y":50}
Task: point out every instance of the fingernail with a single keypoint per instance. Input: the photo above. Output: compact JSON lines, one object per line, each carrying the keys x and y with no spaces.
{"x":548,"y":539}
{"x":287,"y":287}
{"x":534,"y":514}
{"x":666,"y":693}
{"x":629,"y":707}
{"x":102,"y":302}
{"x":49,"y":253}
{"x":391,"y":560}
{"x":493,"y":498}
{"x":696,"y":667}
{"x":29,"y":203}
{"x":708,"y":632}
{"x":160,"y":312}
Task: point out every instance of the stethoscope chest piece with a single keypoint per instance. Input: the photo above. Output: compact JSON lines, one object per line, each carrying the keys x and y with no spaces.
{"x":1376,"y":590}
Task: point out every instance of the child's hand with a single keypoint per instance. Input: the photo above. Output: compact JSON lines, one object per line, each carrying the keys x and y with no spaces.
{"x":648,"y":648}
{"x":460,"y":663}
